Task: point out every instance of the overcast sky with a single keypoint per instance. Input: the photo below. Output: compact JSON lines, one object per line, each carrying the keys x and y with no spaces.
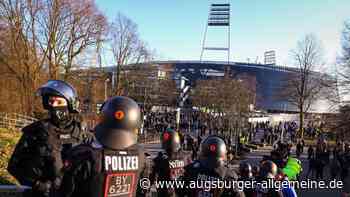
{"x":175,"y":28}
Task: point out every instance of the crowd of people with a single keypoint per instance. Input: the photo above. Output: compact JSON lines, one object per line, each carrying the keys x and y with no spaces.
{"x":159,"y":121}
{"x":325,"y":160}
{"x":56,"y":157}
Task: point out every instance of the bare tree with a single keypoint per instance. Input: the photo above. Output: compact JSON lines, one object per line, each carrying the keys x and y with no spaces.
{"x":70,"y":29}
{"x":142,"y":83}
{"x":46,"y":34}
{"x":18,"y":51}
{"x":126,"y":45}
{"x":304,"y":85}
{"x":86,"y":27}
{"x":344,"y":71}
{"x":138,"y":83}
{"x":346,"y":43}
{"x":227,"y":99}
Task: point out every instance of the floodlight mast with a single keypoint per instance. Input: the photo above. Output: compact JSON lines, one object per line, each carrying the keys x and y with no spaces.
{"x":270,"y":57}
{"x":219,"y":16}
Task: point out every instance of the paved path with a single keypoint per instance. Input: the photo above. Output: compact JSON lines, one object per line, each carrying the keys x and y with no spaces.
{"x":152,"y":149}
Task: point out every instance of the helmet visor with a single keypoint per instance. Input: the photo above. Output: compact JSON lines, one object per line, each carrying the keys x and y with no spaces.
{"x":60,"y":87}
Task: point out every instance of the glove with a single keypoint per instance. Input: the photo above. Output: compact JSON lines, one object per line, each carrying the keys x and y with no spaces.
{"x":43,"y":187}
{"x":88,"y":137}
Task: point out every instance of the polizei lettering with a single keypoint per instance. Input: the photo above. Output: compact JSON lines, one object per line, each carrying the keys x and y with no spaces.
{"x":121,"y":163}
{"x":176,"y":164}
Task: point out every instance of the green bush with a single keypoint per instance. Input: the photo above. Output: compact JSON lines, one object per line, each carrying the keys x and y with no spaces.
{"x":8,"y":141}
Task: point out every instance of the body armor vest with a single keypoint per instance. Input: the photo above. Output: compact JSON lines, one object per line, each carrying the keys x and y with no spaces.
{"x":119,"y":172}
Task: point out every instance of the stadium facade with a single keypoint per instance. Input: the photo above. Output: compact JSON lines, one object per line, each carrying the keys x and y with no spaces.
{"x":267,"y":79}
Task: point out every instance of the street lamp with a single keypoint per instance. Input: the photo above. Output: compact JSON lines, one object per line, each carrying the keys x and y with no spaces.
{"x":106,"y":83}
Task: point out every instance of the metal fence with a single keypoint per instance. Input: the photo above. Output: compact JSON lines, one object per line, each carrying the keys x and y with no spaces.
{"x":14,"y":120}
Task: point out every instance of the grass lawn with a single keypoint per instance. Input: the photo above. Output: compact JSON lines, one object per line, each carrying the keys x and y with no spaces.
{"x":8,"y":140}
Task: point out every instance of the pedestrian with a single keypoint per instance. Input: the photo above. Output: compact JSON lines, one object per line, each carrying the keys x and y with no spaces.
{"x":310,"y":152}
{"x":334,"y":168}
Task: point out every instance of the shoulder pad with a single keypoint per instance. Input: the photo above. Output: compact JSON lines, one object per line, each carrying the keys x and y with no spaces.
{"x":34,"y":127}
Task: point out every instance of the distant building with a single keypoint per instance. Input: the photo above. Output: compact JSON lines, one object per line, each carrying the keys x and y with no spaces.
{"x":266,"y":80}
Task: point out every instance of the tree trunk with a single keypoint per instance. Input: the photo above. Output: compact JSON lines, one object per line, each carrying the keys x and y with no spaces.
{"x":301,"y":121}
{"x":117,"y":83}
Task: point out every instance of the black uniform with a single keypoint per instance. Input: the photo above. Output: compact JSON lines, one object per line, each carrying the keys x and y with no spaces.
{"x":245,"y":174}
{"x":262,"y":191}
{"x":94,"y":171}
{"x":113,"y":164}
{"x":268,"y":170}
{"x":210,"y":168}
{"x":38,"y":158}
{"x":197,"y":171}
{"x":41,"y":150}
{"x":169,"y":167}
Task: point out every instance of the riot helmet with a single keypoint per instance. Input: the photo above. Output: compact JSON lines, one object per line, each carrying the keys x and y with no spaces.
{"x":60,"y":99}
{"x":268,"y":169}
{"x":213,"y":152}
{"x":60,"y":89}
{"x":256,"y":170}
{"x":120,"y":121}
{"x":245,"y":170}
{"x":170,"y":140}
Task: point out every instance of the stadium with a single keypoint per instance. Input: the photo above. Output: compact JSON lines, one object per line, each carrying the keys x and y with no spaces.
{"x":267,"y":81}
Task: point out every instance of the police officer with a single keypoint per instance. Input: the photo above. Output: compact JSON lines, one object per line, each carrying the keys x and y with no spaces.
{"x":38,"y":157}
{"x":256,"y":170}
{"x":245,"y":170}
{"x":280,"y":155}
{"x":169,"y":165}
{"x":268,"y":172}
{"x":210,"y":167}
{"x":114,"y":162}
{"x":245,"y":173}
{"x":287,"y":190}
